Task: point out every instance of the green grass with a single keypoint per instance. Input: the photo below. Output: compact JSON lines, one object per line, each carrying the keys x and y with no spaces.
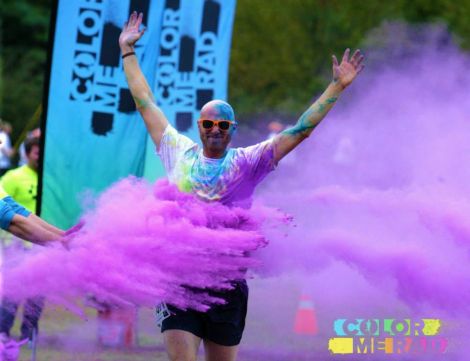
{"x":103,"y":355}
{"x":66,"y":337}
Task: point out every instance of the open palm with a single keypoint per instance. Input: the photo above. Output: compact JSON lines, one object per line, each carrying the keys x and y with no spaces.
{"x":130,"y":33}
{"x":345,"y":72}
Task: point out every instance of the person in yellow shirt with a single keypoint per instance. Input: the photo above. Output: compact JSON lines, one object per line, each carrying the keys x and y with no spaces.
{"x":21,"y":186}
{"x":21,"y":183}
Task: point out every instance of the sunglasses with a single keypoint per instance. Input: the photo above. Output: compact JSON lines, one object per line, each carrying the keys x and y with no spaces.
{"x":222,"y":124}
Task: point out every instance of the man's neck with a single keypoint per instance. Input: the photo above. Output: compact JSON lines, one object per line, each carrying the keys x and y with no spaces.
{"x":211,"y":153}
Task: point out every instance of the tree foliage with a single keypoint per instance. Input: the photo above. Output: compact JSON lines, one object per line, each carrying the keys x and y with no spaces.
{"x":281,"y":53}
{"x":24,"y":35}
{"x":281,"y":50}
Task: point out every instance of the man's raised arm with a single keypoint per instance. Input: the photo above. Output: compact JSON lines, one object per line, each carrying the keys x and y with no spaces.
{"x":343,"y":75}
{"x":155,"y":120}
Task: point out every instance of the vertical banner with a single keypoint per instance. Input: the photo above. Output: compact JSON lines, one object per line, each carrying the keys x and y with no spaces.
{"x":192,"y":65}
{"x":93,"y":134}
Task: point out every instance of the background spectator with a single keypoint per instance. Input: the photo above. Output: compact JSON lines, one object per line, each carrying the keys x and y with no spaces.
{"x":6,"y":150}
{"x":35,"y":133}
{"x":21,"y":184}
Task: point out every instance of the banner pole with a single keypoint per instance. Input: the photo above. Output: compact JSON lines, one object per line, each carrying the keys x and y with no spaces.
{"x":45,"y":102}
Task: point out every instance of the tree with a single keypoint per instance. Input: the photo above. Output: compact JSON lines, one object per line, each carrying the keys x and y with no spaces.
{"x":25,"y":26}
{"x":282,"y":49}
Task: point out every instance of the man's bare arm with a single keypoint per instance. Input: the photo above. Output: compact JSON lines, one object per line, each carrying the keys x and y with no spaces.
{"x":29,"y":229}
{"x":47,"y":226}
{"x":343,"y":75}
{"x":154,"y":119}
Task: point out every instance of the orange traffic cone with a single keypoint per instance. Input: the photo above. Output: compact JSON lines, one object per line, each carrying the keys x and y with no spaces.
{"x":306,"y":317}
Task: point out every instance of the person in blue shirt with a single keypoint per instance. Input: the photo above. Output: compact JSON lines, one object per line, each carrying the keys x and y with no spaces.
{"x":24,"y":224}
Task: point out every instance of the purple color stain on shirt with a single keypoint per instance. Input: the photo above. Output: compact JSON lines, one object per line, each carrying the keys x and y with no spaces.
{"x":230,"y":180}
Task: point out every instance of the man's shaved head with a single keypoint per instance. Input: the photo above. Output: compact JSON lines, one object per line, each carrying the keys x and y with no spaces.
{"x":216,"y":110}
{"x":214,"y":140}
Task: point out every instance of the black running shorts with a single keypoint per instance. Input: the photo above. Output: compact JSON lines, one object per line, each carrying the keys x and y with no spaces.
{"x":222,"y":324}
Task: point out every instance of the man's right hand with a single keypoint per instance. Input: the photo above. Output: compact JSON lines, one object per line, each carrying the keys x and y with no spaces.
{"x":130,"y":33}
{"x":154,"y":119}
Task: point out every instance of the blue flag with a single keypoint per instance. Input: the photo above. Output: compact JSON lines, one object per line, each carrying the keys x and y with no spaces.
{"x":192,"y":66}
{"x":93,"y":134}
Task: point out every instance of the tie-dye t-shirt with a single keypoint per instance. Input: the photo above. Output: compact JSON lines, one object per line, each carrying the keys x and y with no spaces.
{"x":230,"y":180}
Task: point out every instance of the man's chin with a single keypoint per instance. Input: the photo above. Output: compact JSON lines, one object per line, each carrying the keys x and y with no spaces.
{"x":216,"y":143}
{"x":216,"y":146}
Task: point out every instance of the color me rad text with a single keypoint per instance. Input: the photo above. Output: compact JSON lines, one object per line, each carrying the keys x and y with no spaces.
{"x":387,"y":336}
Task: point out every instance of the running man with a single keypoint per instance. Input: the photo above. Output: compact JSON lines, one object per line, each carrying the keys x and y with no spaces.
{"x":219,"y":173}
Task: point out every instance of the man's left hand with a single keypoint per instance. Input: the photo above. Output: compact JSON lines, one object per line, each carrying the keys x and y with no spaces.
{"x":345,"y":72}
